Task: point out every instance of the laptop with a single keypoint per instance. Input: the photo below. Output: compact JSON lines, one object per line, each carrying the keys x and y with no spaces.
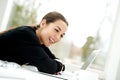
{"x":90,"y":59}
{"x":68,"y":75}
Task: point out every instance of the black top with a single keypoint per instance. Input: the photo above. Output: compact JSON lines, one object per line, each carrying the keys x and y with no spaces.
{"x":22,"y":46}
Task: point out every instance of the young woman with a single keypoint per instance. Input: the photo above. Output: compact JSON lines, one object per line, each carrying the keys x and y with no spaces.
{"x":29,"y":44}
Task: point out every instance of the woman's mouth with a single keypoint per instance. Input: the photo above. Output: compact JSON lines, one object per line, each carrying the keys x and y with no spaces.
{"x":51,"y":40}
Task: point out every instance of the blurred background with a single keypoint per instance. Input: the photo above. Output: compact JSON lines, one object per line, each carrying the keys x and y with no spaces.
{"x":91,"y":27}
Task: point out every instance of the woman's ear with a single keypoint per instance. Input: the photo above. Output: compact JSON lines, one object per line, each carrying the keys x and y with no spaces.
{"x":43,"y":23}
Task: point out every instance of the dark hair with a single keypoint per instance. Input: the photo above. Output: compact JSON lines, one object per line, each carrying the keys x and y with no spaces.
{"x":53,"y":16}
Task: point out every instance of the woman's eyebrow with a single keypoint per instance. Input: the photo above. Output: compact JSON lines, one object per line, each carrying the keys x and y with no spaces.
{"x":59,"y":28}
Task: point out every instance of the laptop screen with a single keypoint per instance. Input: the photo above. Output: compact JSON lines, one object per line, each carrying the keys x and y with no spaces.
{"x":90,"y":59}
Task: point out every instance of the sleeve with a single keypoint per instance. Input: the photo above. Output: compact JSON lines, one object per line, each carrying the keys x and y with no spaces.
{"x":36,"y":56}
{"x":50,"y":54}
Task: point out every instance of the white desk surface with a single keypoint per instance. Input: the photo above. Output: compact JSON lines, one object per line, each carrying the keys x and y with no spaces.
{"x":25,"y":74}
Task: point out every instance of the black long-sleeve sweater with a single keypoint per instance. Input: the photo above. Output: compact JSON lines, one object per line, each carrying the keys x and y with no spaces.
{"x":22,"y":46}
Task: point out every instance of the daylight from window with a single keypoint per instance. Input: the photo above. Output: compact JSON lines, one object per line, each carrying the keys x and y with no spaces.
{"x":90,"y":27}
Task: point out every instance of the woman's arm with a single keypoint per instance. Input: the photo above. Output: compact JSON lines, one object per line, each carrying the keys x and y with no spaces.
{"x":36,"y":56}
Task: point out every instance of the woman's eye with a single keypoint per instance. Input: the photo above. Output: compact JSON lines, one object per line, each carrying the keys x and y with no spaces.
{"x":56,"y":30}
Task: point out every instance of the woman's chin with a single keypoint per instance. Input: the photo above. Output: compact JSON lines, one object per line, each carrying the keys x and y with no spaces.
{"x":47,"y":45}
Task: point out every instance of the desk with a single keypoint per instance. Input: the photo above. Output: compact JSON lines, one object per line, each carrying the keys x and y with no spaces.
{"x":12,"y":71}
{"x":24,"y":74}
{"x":80,"y":75}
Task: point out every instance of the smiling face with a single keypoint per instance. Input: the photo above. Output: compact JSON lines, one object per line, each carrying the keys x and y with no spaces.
{"x":51,"y":33}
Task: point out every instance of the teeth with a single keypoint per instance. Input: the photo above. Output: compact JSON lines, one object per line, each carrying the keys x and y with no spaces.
{"x":51,"y":40}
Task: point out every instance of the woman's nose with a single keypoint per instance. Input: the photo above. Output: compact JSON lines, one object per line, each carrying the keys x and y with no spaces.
{"x":58,"y":38}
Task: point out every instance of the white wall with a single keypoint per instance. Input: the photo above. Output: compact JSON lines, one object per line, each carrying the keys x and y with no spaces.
{"x":113,"y":58}
{"x":5,"y":9}
{"x":118,"y":72}
{"x":3,"y":4}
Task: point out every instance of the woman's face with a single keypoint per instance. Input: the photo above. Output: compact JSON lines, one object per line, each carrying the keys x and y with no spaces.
{"x":51,"y":33}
